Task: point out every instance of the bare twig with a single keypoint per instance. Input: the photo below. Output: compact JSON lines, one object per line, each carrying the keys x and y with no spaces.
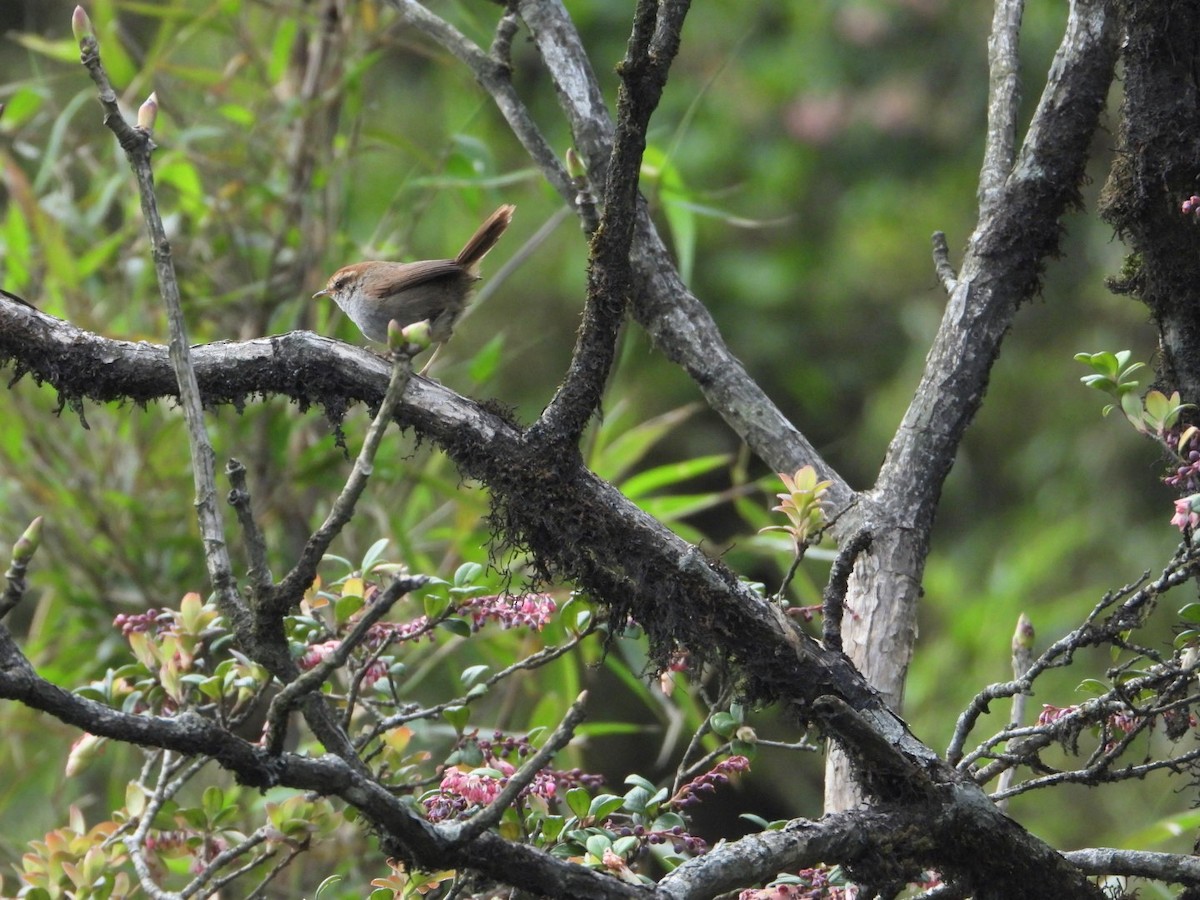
{"x":833,"y":602}
{"x":1022,"y":658}
{"x":1004,"y":96}
{"x":941,"y":263}
{"x":137,"y":144}
{"x":287,"y":593}
{"x":493,"y":74}
{"x":1169,"y":867}
{"x":533,"y":661}
{"x":136,"y":843}
{"x":259,"y":570}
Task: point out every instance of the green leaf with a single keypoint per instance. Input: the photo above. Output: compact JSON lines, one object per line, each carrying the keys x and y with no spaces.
{"x":578,"y":801}
{"x":467,"y":574}
{"x":435,"y":606}
{"x":625,"y":845}
{"x":660,"y":172}
{"x":604,"y":805}
{"x":346,"y":606}
{"x":486,"y":360}
{"x":281,"y":48}
{"x":100,"y":252}
{"x":1157,"y":404}
{"x":1165,"y":831}
{"x":1100,"y":383}
{"x":552,"y":827}
{"x":638,"y":781}
{"x":24,"y":104}
{"x":456,"y":717}
{"x":194,"y":818}
{"x":373,"y":555}
{"x":636,"y":800}
{"x":1190,"y":613}
{"x":1131,"y":405}
{"x":723,"y":724}
{"x":456,"y":626}
{"x":212,"y":801}
{"x":613,"y":460}
{"x":1104,"y":362}
{"x":667,"y":821}
{"x":743,"y":748}
{"x":672,"y":474}
{"x":672,"y":508}
{"x":65,"y":50}
{"x":597,"y":844}
{"x":472,"y":674}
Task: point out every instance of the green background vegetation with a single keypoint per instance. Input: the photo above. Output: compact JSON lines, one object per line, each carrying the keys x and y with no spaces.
{"x":801,"y":158}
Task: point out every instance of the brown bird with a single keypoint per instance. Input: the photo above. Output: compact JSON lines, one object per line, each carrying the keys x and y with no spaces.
{"x":373,"y":293}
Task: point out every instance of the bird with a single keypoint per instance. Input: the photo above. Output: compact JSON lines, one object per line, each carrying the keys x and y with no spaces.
{"x":373,"y":293}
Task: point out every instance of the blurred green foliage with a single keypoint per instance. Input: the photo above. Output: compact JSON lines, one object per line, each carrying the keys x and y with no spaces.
{"x":800,"y":160}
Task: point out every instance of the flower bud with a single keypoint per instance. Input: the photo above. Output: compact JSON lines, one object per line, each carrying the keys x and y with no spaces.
{"x":746,"y":735}
{"x":81,"y":26}
{"x":417,"y":333}
{"x":148,"y":112}
{"x":1024,"y":635}
{"x":83,"y":751}
{"x":1191,"y":655}
{"x":575,"y":167}
{"x":28,"y":542}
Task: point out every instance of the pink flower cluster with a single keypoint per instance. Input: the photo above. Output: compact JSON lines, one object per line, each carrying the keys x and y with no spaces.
{"x":463,"y":788}
{"x":318,"y":653}
{"x":814,"y":884}
{"x":528,"y":611}
{"x":1123,"y":722}
{"x":690,"y":793}
{"x":386,"y":632}
{"x":1187,"y":513}
{"x":151,"y":619}
{"x":477,"y":788}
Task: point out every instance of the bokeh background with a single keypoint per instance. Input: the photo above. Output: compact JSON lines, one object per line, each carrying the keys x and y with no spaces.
{"x":801,"y":158}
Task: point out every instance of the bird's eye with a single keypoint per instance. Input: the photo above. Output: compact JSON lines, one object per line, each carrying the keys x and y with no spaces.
{"x":341,"y":281}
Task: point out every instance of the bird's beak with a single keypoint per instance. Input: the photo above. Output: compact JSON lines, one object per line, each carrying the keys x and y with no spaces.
{"x":324,"y":292}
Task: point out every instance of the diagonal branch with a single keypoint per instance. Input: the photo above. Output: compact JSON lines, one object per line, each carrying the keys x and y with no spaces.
{"x":1003,"y":264}
{"x":653,"y":44}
